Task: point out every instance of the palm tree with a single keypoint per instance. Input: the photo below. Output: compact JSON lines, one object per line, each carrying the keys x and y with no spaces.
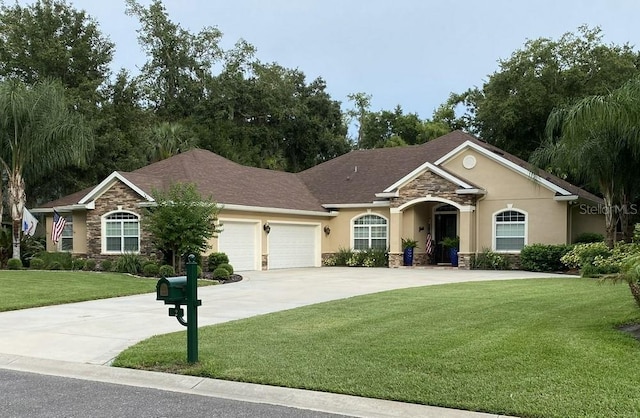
{"x":597,"y":140}
{"x":38,"y":135}
{"x":168,"y":139}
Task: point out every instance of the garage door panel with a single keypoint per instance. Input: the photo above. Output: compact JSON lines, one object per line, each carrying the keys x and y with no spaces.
{"x":293,"y":245}
{"x":239,"y":240}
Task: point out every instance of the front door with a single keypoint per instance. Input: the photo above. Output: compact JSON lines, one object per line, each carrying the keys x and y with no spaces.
{"x":445,"y":226}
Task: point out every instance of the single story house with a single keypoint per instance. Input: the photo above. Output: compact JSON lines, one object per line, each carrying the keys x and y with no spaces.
{"x":455,"y":185}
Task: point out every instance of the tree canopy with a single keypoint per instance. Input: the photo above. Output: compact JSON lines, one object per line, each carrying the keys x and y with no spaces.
{"x":512,"y":107}
{"x":182,"y":221}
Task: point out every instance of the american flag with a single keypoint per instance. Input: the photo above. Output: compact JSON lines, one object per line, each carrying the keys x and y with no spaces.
{"x":58,"y":225}
{"x":429,"y":245}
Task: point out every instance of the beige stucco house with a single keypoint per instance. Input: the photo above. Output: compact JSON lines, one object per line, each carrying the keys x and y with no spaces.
{"x":455,"y":185}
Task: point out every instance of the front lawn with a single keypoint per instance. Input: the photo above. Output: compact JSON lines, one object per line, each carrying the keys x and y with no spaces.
{"x":31,"y":288}
{"x":530,"y":348}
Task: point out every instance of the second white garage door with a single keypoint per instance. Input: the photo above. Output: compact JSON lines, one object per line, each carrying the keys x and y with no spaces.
{"x":294,"y":245}
{"x":239,"y":240}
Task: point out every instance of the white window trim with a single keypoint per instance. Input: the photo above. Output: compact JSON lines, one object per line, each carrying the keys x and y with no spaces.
{"x":352,"y":225}
{"x":67,"y":216}
{"x":103,"y":232}
{"x":493,"y":229}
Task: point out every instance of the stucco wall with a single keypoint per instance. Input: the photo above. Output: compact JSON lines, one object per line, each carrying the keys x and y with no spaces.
{"x":583,"y":219}
{"x":547,"y":218}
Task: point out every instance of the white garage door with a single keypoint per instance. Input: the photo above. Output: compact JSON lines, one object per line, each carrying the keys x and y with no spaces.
{"x":293,"y":245}
{"x":239,"y":240}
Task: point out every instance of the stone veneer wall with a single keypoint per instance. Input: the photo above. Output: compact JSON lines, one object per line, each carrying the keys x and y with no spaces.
{"x":118,"y":197}
{"x":428,"y":183}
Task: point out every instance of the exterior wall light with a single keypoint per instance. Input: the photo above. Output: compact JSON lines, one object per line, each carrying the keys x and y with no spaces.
{"x":266,"y":227}
{"x":327,"y":230}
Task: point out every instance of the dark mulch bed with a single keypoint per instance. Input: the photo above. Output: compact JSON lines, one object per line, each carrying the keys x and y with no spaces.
{"x":232,"y":279}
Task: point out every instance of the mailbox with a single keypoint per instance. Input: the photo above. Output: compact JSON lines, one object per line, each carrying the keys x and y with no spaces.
{"x":172,"y":290}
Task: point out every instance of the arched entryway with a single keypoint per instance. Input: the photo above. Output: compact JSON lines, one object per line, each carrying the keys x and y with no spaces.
{"x":445,"y":225}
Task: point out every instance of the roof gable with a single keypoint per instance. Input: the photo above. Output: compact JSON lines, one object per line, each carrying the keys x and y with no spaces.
{"x":503,"y":161}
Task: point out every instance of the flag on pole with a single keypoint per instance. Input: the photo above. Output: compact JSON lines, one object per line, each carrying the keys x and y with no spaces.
{"x":58,"y":225}
{"x":29,"y":222}
{"x":429,"y":245}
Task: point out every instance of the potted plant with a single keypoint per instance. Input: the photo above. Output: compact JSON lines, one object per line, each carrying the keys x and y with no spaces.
{"x":452,"y":244}
{"x":407,"y":250}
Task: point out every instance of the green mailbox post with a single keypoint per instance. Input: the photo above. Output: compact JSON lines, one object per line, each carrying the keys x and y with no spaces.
{"x":183,"y":290}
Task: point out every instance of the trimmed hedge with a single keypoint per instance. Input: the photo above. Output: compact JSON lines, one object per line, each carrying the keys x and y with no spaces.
{"x":543,"y":257}
{"x":227,"y":267}
{"x":36,"y":263}
{"x":166,"y":271}
{"x":221,"y":273}
{"x":14,"y":264}
{"x":215,"y":259}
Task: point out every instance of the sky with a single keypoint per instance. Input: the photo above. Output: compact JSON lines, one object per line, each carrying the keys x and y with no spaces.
{"x":411,"y":53}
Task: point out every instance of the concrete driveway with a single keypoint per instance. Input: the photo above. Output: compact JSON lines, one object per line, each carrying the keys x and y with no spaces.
{"x":95,"y":332}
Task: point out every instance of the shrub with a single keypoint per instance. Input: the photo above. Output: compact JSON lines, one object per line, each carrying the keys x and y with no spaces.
{"x":150,"y":269}
{"x":64,"y":260}
{"x":166,"y":271}
{"x":613,"y":263}
{"x":489,"y":260}
{"x":543,"y":257}
{"x":129,"y":263}
{"x":36,"y":263}
{"x":89,"y":265}
{"x":221,"y":273}
{"x":588,"y":237}
{"x":55,"y":265}
{"x":227,"y":267}
{"x":106,"y":265}
{"x":215,"y":259}
{"x":78,"y":263}
{"x":14,"y":264}
{"x":583,"y":254}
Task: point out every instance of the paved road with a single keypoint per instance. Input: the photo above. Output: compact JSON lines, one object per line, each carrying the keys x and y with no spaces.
{"x":78,"y":340}
{"x":28,"y":395}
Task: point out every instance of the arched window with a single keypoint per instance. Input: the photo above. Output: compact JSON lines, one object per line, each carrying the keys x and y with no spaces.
{"x":510,"y":230}
{"x":370,"y":231}
{"x":121,"y":232}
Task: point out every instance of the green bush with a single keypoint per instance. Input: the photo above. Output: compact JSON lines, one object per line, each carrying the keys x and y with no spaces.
{"x":129,"y":263}
{"x":221,"y":273}
{"x":151,"y":269}
{"x":227,"y":267}
{"x":64,"y":259}
{"x":55,"y":265}
{"x":106,"y":265}
{"x":614,"y":262}
{"x":489,"y":260}
{"x":215,"y":259}
{"x":583,"y":254}
{"x":543,"y":257}
{"x":78,"y":263}
{"x":588,"y":237}
{"x":89,"y":265}
{"x":367,"y":258}
{"x":199,"y":271}
{"x":14,"y":264}
{"x":36,"y":263}
{"x":166,"y":271}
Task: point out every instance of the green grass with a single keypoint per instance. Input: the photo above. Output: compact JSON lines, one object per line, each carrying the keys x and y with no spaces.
{"x":29,"y":289}
{"x":530,"y":348}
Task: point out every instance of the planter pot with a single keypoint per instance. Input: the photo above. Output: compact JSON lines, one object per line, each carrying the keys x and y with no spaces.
{"x":407,"y":257}
{"x":453,"y":256}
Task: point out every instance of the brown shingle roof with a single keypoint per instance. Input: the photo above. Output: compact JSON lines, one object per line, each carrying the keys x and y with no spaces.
{"x":354,"y":177}
{"x":357,"y":176}
{"x":227,"y":182}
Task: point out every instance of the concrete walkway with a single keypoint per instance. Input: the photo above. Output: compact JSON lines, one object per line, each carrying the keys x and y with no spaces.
{"x":83,"y":337}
